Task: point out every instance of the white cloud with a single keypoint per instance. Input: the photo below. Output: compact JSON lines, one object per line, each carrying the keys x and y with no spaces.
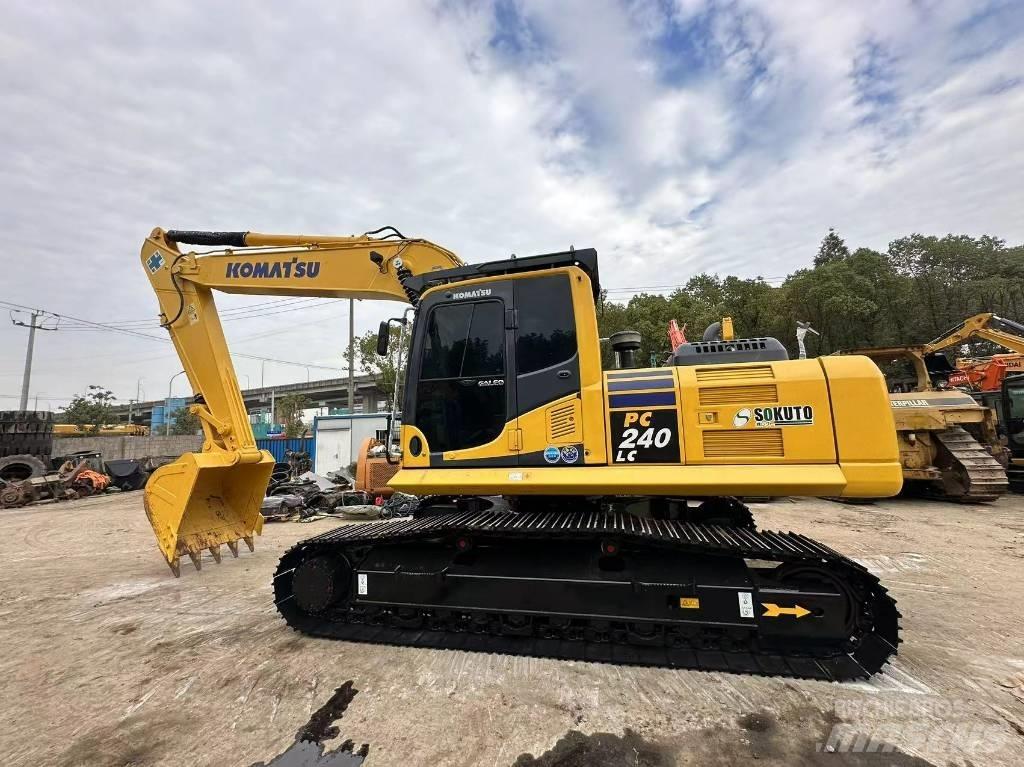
{"x":581,"y":128}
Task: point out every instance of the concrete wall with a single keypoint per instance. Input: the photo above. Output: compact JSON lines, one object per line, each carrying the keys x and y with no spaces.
{"x":113,"y":448}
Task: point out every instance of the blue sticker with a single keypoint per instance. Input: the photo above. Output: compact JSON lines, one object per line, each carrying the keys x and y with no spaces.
{"x":551,"y":454}
{"x":155,"y":262}
{"x":570,"y":454}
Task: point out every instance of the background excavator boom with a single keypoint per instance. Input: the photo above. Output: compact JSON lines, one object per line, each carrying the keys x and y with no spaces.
{"x":987,"y":326}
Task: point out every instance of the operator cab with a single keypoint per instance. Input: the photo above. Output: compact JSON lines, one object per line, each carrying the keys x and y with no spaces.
{"x":1011,"y":414}
{"x":494,"y":343}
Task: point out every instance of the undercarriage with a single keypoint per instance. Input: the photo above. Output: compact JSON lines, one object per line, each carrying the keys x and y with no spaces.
{"x":606,"y":586}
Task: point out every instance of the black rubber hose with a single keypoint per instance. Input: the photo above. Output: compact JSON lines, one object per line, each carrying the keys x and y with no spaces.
{"x":394,"y":233}
{"x":404,"y":275}
{"x":213,"y":239}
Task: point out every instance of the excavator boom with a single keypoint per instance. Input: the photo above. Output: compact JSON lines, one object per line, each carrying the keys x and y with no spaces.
{"x":987,"y":326}
{"x":207,"y":499}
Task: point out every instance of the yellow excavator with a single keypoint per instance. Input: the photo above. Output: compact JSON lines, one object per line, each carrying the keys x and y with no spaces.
{"x":566,"y":511}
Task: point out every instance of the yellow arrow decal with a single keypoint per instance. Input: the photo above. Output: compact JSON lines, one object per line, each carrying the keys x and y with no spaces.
{"x":772,"y":610}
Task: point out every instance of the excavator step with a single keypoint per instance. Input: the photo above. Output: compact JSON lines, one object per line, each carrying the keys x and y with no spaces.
{"x":586,"y":585}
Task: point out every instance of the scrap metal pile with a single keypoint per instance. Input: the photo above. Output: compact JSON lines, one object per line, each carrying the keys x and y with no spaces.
{"x":68,"y":482}
{"x":304,"y":496}
{"x":28,"y":473}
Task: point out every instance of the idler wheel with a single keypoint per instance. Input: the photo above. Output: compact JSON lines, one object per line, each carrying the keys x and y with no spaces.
{"x":320,"y":582}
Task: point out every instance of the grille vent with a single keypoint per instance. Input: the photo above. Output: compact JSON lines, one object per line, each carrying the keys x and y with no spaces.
{"x":739,"y":345}
{"x":736,"y":395}
{"x":381,"y":473}
{"x":759,"y":443}
{"x":562,"y":421}
{"x":733,"y":373}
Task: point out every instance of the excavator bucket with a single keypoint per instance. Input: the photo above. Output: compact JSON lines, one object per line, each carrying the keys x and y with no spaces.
{"x":203,"y":500}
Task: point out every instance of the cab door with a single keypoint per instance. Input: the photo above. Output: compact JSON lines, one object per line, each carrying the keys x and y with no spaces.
{"x":547,"y":366}
{"x":459,"y":395}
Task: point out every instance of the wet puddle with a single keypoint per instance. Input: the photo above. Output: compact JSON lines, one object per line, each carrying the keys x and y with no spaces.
{"x":308,"y":748}
{"x":807,"y":738}
{"x":601,"y":749}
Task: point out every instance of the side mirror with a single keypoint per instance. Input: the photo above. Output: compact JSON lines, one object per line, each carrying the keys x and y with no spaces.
{"x":383,"y":337}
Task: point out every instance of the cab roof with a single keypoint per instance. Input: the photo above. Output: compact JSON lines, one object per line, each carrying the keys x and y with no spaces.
{"x":585,"y":259}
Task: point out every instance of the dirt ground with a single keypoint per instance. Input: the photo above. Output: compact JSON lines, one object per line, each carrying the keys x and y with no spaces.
{"x":106,"y":659}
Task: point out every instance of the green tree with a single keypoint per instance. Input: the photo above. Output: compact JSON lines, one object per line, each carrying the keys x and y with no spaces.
{"x":955,"y":276}
{"x":832,"y":249}
{"x":90,"y":411}
{"x":920,"y":287}
{"x":289,"y":410}
{"x":184,"y":421}
{"x":386,"y":369}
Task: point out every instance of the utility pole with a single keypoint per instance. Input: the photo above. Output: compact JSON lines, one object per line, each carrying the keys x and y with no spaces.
{"x":26,"y":377}
{"x":138,"y":398}
{"x":351,"y":356}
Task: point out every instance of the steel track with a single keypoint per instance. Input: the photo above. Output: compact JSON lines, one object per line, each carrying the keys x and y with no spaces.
{"x":982,"y":476}
{"x":875,"y":639}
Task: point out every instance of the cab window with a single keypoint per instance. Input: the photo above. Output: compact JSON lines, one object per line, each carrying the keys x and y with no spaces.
{"x":1016,"y":395}
{"x":460,"y":400}
{"x":547,"y":324}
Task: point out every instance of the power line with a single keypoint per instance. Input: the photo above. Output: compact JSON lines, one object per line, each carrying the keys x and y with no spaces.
{"x":172,"y":354}
{"x":40,"y":396}
{"x":254,"y":314}
{"x":151,"y":321}
{"x":641,"y":288}
{"x":228,"y":315}
{"x":102,"y":326}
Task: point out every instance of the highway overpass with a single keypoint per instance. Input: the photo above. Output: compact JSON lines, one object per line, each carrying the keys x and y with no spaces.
{"x":330,"y":393}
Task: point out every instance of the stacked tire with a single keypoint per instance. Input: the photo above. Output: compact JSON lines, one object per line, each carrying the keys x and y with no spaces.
{"x":26,"y":440}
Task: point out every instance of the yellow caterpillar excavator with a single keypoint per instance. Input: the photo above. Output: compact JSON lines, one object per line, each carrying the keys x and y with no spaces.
{"x":570,"y":512}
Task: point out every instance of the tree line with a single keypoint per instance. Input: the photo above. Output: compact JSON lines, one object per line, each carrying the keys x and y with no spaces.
{"x":917,"y":289}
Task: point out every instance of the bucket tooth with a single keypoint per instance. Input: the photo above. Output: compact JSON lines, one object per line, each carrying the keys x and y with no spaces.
{"x":175,"y":567}
{"x":233,"y":546}
{"x":215,"y":550}
{"x":197,"y":559}
{"x":248,"y":542}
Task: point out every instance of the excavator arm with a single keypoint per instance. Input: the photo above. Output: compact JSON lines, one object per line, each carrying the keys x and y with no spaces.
{"x":207,"y":499}
{"x":987,"y":326}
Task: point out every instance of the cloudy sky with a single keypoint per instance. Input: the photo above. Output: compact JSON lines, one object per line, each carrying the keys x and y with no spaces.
{"x":674,"y":137}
